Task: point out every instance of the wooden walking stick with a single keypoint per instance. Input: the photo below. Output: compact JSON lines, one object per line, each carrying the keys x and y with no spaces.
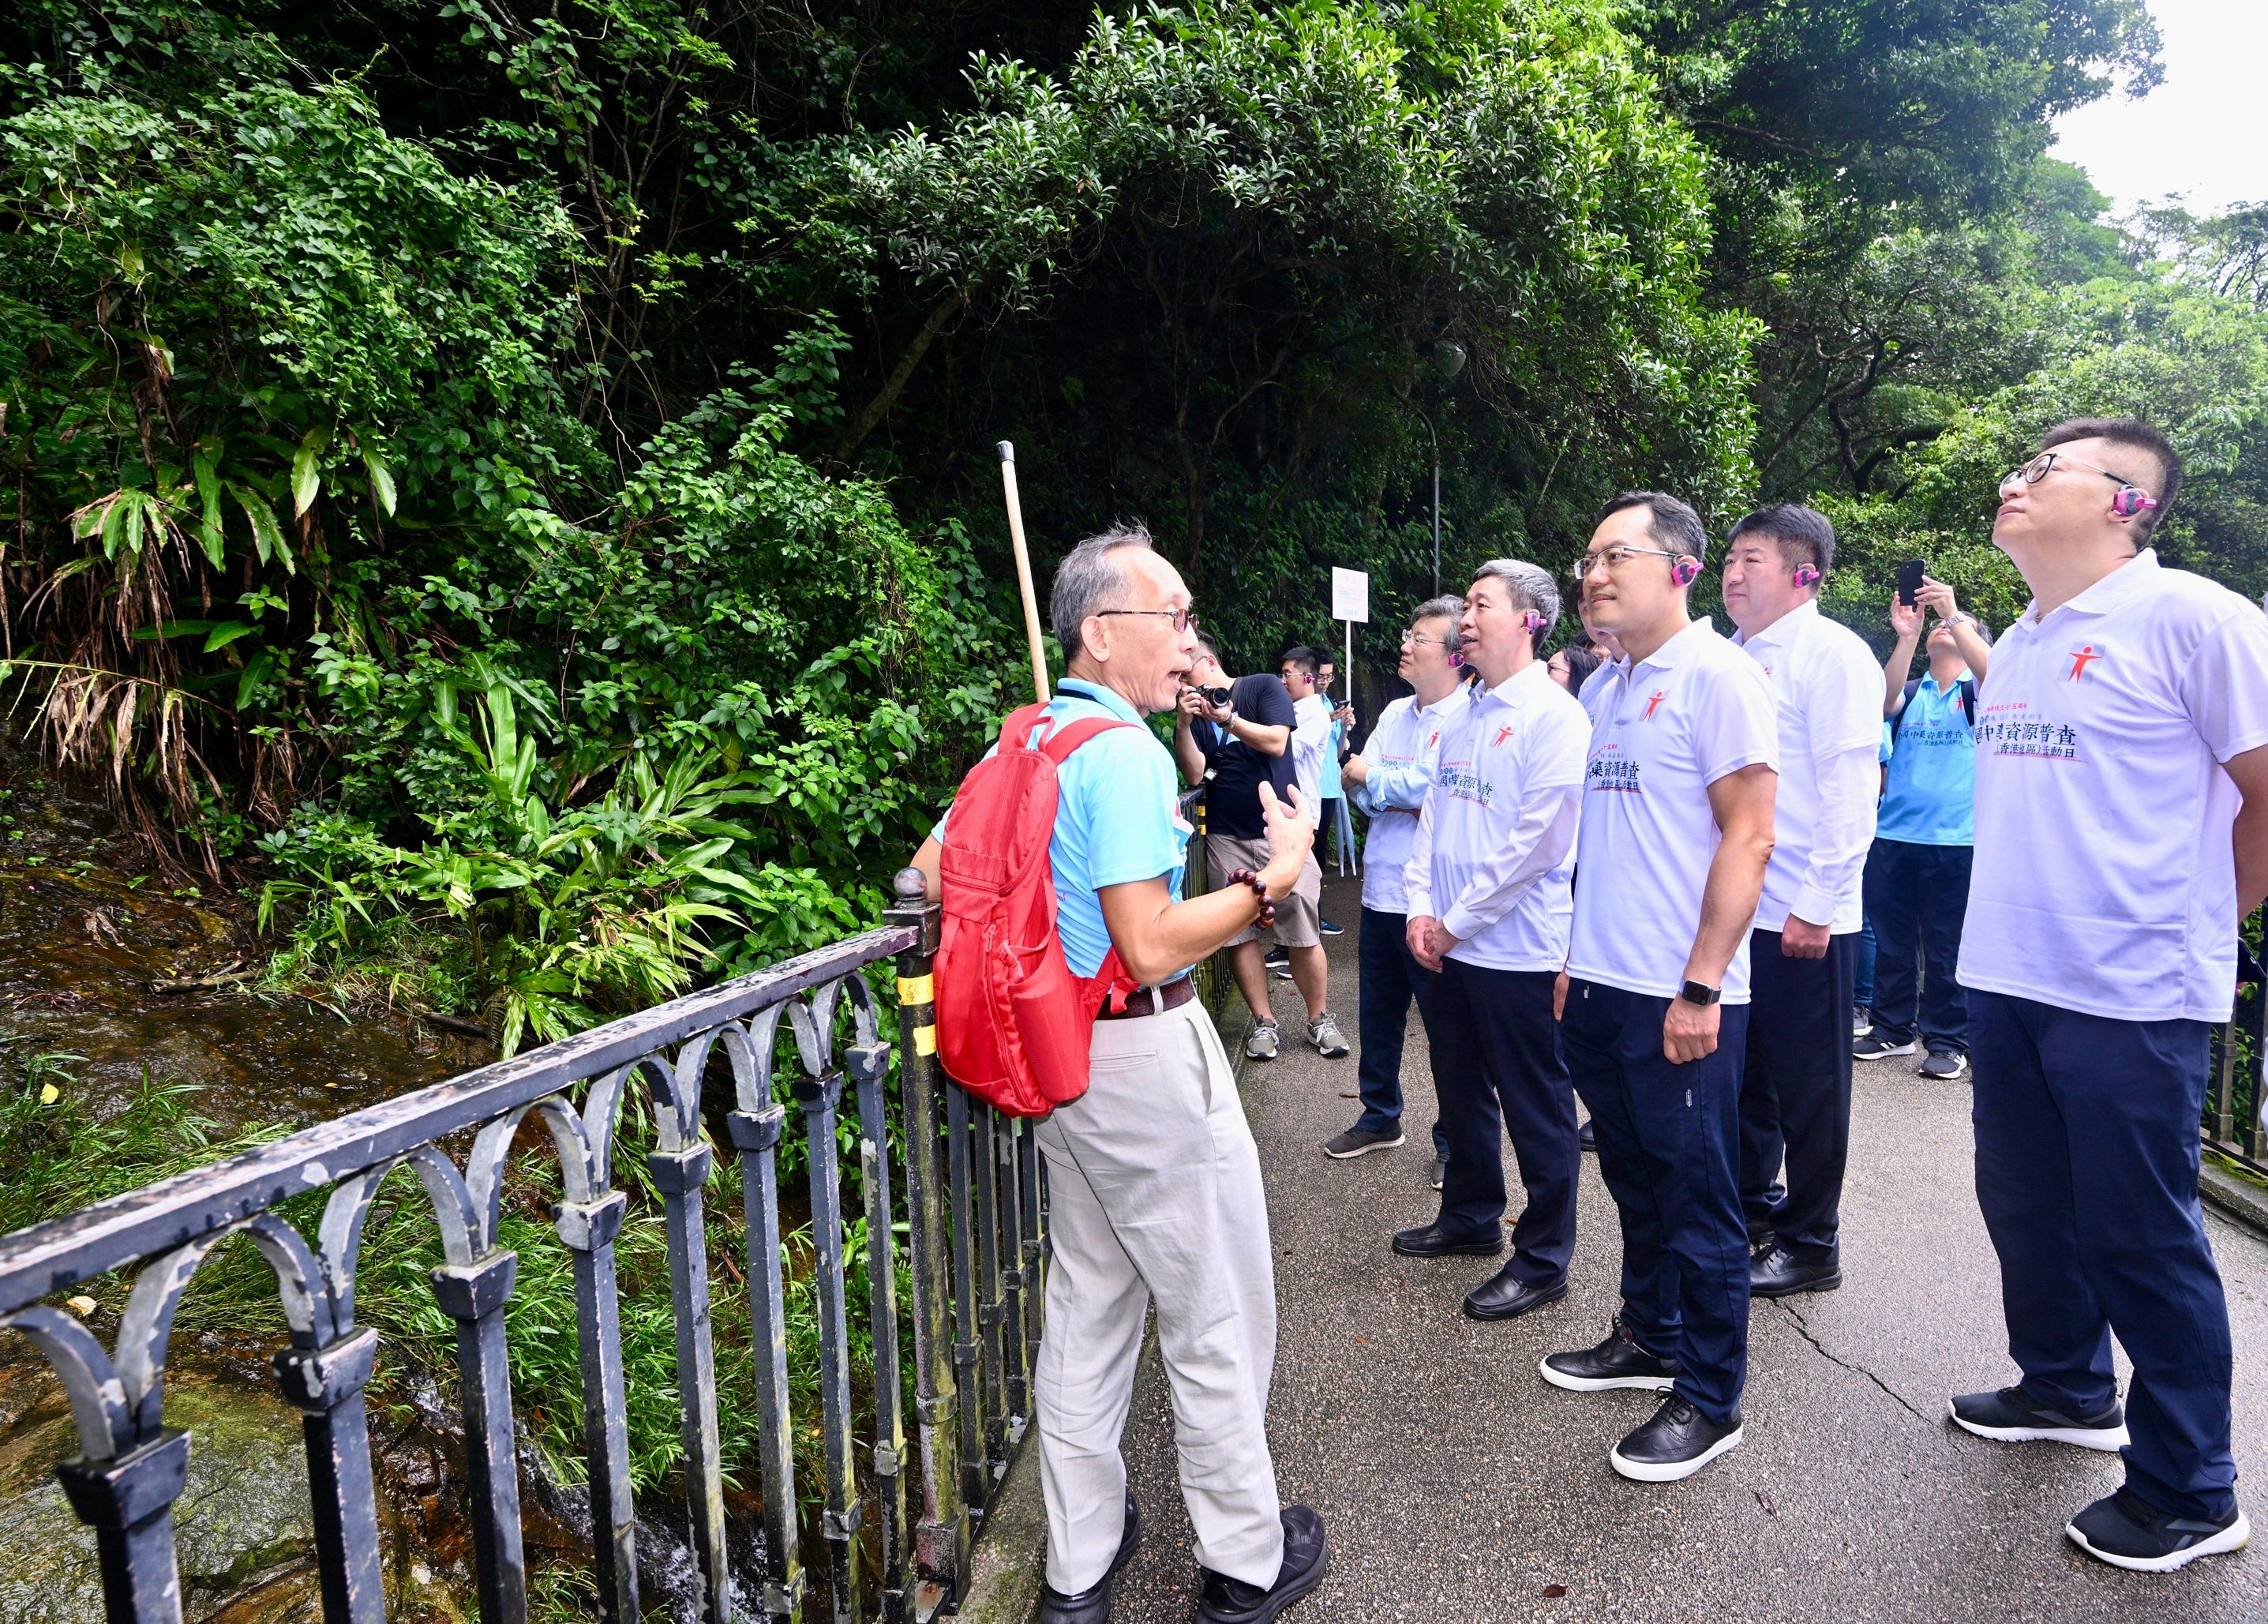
{"x":1024,"y":571}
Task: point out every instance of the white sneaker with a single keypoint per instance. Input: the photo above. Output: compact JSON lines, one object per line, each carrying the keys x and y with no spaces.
{"x":1323,"y":1032}
{"x":1261,"y":1042}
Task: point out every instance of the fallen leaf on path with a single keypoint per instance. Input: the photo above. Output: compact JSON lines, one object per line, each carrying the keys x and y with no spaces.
{"x":1555,"y":1591}
{"x":1764,"y":1501}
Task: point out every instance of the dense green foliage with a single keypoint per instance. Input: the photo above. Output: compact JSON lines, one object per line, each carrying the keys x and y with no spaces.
{"x":516,"y":480}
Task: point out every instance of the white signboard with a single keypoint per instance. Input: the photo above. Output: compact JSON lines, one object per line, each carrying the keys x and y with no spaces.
{"x":1351,"y":595}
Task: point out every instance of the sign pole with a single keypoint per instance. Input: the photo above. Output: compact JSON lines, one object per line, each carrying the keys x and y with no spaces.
{"x":1024,"y":571}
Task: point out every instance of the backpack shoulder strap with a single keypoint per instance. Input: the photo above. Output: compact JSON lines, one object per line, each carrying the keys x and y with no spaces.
{"x":1968,"y":699}
{"x":1066,"y":739}
{"x":1898,"y":722}
{"x":1016,"y":727}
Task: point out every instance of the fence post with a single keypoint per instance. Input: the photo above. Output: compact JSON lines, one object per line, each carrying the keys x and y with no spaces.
{"x":941,"y":1541}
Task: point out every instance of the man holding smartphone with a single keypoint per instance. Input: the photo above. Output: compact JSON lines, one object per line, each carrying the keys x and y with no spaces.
{"x":2122,"y":832}
{"x":1917,"y":873}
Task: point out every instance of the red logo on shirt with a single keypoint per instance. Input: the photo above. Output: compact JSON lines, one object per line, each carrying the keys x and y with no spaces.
{"x":1654,"y":704}
{"x":1502,"y":733}
{"x":2079,"y":661}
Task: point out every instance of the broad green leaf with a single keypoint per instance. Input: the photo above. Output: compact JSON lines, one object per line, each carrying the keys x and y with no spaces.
{"x":267,"y":534}
{"x":381,"y":481}
{"x":209,"y":531}
{"x":221,"y":636}
{"x":306,"y":476}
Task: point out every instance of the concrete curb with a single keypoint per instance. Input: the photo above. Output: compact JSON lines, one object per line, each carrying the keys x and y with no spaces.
{"x":2234,"y":1197}
{"x":1010,"y":1562}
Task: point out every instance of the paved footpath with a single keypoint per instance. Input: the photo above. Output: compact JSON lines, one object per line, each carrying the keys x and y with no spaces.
{"x":1457,"y":1486}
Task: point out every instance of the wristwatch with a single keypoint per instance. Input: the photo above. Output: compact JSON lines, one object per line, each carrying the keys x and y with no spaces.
{"x":1700,"y":992}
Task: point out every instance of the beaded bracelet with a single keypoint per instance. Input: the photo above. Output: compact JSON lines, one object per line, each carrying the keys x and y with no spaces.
{"x":1245,"y":876}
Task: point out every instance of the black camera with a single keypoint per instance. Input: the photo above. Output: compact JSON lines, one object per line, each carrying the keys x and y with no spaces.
{"x":1215,"y":696}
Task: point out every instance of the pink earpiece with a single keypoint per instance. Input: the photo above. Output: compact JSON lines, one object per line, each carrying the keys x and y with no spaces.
{"x":1534,"y":622}
{"x":1807,"y":575}
{"x":2131,"y":500}
{"x":1685,"y":570}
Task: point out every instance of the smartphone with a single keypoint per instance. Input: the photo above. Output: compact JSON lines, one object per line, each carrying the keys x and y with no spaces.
{"x":1909,"y":581}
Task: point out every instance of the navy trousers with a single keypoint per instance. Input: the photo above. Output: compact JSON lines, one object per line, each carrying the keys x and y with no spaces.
{"x":1497,"y":1070}
{"x":1390,"y":979}
{"x":1795,"y":1094}
{"x":1669,"y":1151}
{"x":2086,"y":1171}
{"x":1916,"y":896}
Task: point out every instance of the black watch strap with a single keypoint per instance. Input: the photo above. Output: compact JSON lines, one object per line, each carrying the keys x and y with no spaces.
{"x":1699,"y":993}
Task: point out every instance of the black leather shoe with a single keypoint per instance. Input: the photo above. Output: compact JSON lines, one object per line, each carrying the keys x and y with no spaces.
{"x":1776,"y":1273}
{"x":1091,"y":1606}
{"x":1428,"y":1241}
{"x":1224,"y":1600}
{"x":1677,"y":1443}
{"x":1587,"y":1136}
{"x":1503,"y":1297}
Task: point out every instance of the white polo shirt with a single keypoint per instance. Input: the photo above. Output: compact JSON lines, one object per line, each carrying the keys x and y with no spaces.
{"x":1496,"y":840}
{"x":1668,"y":729}
{"x":1398,"y":770}
{"x":2105,"y":877}
{"x":1827,"y":686}
{"x":1311,"y":736}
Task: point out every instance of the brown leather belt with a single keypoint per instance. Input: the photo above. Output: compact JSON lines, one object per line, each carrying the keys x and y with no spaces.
{"x":1144,"y":1000}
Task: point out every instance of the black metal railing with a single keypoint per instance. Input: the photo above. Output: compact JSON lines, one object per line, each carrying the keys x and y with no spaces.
{"x":2235,"y":1122}
{"x":975,"y":1239}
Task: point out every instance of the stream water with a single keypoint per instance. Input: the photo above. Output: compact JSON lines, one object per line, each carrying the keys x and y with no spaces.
{"x":88,"y":929}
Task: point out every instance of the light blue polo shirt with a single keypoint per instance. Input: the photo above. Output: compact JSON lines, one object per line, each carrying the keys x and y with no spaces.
{"x":1117,"y":819}
{"x":1332,"y":789}
{"x":1931,"y":796}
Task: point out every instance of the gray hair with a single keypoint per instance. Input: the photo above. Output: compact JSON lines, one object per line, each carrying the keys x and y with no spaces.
{"x":1451,"y":606}
{"x":1089,"y":578}
{"x":1531,"y":582}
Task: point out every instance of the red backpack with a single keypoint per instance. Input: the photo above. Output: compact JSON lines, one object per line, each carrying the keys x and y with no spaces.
{"x":1012,"y":1023}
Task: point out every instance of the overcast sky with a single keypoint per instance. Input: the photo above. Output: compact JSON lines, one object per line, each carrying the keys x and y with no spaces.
{"x":2203,"y":133}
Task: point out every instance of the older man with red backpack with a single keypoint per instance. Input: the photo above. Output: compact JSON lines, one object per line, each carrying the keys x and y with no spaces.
{"x":1067,"y":983}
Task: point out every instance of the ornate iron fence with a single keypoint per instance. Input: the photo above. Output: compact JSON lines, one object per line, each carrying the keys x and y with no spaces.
{"x":2235,"y":1124}
{"x":976,"y":1241}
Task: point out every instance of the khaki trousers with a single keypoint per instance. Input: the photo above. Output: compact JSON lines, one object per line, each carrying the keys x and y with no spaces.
{"x":1154,"y":1195}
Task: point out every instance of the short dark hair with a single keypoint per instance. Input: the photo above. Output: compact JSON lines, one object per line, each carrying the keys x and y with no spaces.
{"x":1206,"y":641}
{"x":2135,"y":435}
{"x":1582,"y":660}
{"x":1802,"y":532}
{"x":1302,"y":657}
{"x":1674,"y":523}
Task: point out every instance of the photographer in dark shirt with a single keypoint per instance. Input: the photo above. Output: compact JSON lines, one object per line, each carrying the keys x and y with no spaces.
{"x":1244,"y":742}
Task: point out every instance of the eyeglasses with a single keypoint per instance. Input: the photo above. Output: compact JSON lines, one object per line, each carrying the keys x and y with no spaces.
{"x":1614,"y":557}
{"x":2039,"y":467}
{"x":1411,"y":639}
{"x":1183,"y":619}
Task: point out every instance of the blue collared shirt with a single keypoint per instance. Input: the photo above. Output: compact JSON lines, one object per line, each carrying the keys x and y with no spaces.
{"x":1931,"y":796}
{"x":1117,"y":819}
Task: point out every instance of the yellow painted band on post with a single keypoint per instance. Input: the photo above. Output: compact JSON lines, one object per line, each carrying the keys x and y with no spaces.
{"x":915,"y":989}
{"x":924,"y":1040}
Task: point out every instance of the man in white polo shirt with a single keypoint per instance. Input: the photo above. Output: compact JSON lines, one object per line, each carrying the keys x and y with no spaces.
{"x":1677,"y":829}
{"x":1795,"y":1094}
{"x":2122,"y":832}
{"x":1489,"y":906}
{"x":1389,"y":781}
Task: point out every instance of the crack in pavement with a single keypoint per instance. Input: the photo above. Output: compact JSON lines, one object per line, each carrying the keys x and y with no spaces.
{"x":1803,"y":1328}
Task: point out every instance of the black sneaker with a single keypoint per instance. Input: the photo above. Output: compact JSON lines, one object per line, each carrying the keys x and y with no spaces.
{"x":1677,"y":1443}
{"x":1276,"y":956}
{"x":1360,"y":1142}
{"x":2126,"y":1531}
{"x":1775,"y":1271}
{"x":1862,"y":1020}
{"x":1091,"y":1606}
{"x":1441,"y":1170}
{"x":1327,"y":927}
{"x":1224,"y":1600}
{"x":1587,"y":1136}
{"x":1945,"y":1065}
{"x":1875,"y":1046}
{"x":2011,"y":1416}
{"x":1618,"y":1363}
